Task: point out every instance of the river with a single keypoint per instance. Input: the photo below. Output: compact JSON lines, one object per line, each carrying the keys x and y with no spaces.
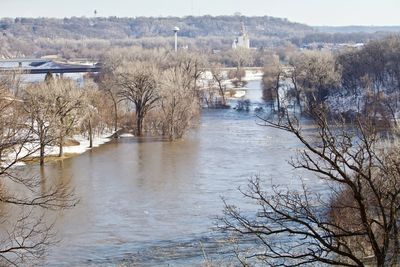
{"x":146,"y":202}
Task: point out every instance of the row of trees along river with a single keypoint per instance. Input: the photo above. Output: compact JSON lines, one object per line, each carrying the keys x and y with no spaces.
{"x":155,"y":198}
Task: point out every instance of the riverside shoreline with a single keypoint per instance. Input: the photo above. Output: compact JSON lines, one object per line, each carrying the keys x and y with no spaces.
{"x":52,"y":152}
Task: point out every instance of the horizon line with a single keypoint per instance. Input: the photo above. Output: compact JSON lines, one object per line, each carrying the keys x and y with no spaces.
{"x":206,"y":15}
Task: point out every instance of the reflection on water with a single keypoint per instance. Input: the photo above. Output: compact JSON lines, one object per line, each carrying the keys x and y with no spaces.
{"x":151,"y":202}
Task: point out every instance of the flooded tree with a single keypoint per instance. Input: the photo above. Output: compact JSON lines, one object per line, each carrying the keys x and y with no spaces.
{"x":40,"y":112}
{"x":90,"y":111}
{"x":218,"y":80}
{"x":237,"y":76}
{"x":138,"y":84}
{"x":272,"y":76}
{"x":178,"y":104}
{"x":317,"y":76}
{"x":68,"y":101}
{"x":192,"y":65}
{"x":52,"y":110}
{"x":242,"y":57}
{"x":295,"y":65}
{"x":356,"y":225}
{"x":371,"y":78}
{"x":108,"y":82}
{"x":24,"y":236}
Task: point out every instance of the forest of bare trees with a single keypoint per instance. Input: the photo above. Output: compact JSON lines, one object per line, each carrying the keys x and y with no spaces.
{"x":350,"y":82}
{"x":356,"y":223}
{"x":25,"y":233}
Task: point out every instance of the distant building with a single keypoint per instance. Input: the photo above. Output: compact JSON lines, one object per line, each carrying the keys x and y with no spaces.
{"x":242,"y":40}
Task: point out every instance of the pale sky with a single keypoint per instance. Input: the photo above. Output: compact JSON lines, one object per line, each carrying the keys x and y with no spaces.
{"x":311,"y":12}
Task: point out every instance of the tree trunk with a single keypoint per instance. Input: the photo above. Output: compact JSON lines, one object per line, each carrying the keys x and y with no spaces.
{"x":139,"y":123}
{"x":278,"y":102}
{"x":296,"y":89}
{"x":172,"y":126}
{"x":41,"y":155}
{"x":277,"y":93}
{"x":61,"y":146}
{"x":396,"y":247}
{"x":115,"y":116}
{"x":380,"y":261}
{"x":61,"y":138}
{"x":90,"y":134}
{"x":42,"y":143}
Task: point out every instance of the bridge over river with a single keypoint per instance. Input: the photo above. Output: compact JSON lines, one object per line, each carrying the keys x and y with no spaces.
{"x":44,"y":66}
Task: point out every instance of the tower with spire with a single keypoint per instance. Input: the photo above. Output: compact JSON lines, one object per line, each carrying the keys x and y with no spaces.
{"x":242,"y":40}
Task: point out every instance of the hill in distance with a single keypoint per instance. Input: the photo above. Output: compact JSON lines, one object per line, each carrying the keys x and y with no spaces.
{"x":120,"y":28}
{"x":89,"y":37}
{"x":357,"y":29}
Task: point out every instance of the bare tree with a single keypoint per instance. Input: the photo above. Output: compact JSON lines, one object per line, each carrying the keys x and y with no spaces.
{"x":138,"y":85}
{"x":371,"y":76}
{"x":11,"y":82}
{"x":108,"y":82}
{"x":11,"y":125}
{"x":178,"y":104}
{"x":242,"y":56}
{"x":295,"y":64}
{"x":67,"y":101}
{"x":52,"y":109}
{"x":317,"y":76}
{"x":90,"y":113}
{"x":272,"y":76}
{"x":24,"y":235}
{"x":208,"y":93}
{"x":40,"y":111}
{"x":218,"y":77}
{"x":356,"y":226}
{"x":192,"y":64}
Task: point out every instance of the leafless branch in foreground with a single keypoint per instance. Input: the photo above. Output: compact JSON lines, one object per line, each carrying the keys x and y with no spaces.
{"x":356,"y":225}
{"x":26,"y":230}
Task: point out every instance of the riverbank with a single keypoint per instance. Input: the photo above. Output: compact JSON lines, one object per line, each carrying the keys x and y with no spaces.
{"x":251,"y":75}
{"x":81,"y":144}
{"x":231,"y":91}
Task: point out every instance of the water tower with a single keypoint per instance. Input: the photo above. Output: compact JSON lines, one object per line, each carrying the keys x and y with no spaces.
{"x":176,"y":30}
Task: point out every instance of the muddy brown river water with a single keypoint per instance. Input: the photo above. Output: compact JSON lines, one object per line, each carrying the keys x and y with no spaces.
{"x":145,"y":202}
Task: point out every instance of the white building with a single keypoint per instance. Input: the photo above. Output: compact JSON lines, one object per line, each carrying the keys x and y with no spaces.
{"x":242,"y":40}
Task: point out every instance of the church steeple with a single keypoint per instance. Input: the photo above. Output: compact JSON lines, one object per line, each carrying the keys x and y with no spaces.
{"x":242,"y":40}
{"x":243,"y":30}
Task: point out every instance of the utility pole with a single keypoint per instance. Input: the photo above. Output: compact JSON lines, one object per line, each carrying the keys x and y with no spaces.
{"x":176,"y":30}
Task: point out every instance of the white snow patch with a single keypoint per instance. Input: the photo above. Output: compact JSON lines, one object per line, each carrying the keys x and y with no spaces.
{"x":239,"y":94}
{"x":126,"y":135}
{"x":54,"y":150}
{"x":84,"y":144}
{"x":253,"y":75}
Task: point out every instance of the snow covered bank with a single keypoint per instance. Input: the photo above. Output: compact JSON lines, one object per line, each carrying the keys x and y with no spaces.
{"x":53,"y":151}
{"x":84,"y":143}
{"x":253,"y":75}
{"x":126,"y":135}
